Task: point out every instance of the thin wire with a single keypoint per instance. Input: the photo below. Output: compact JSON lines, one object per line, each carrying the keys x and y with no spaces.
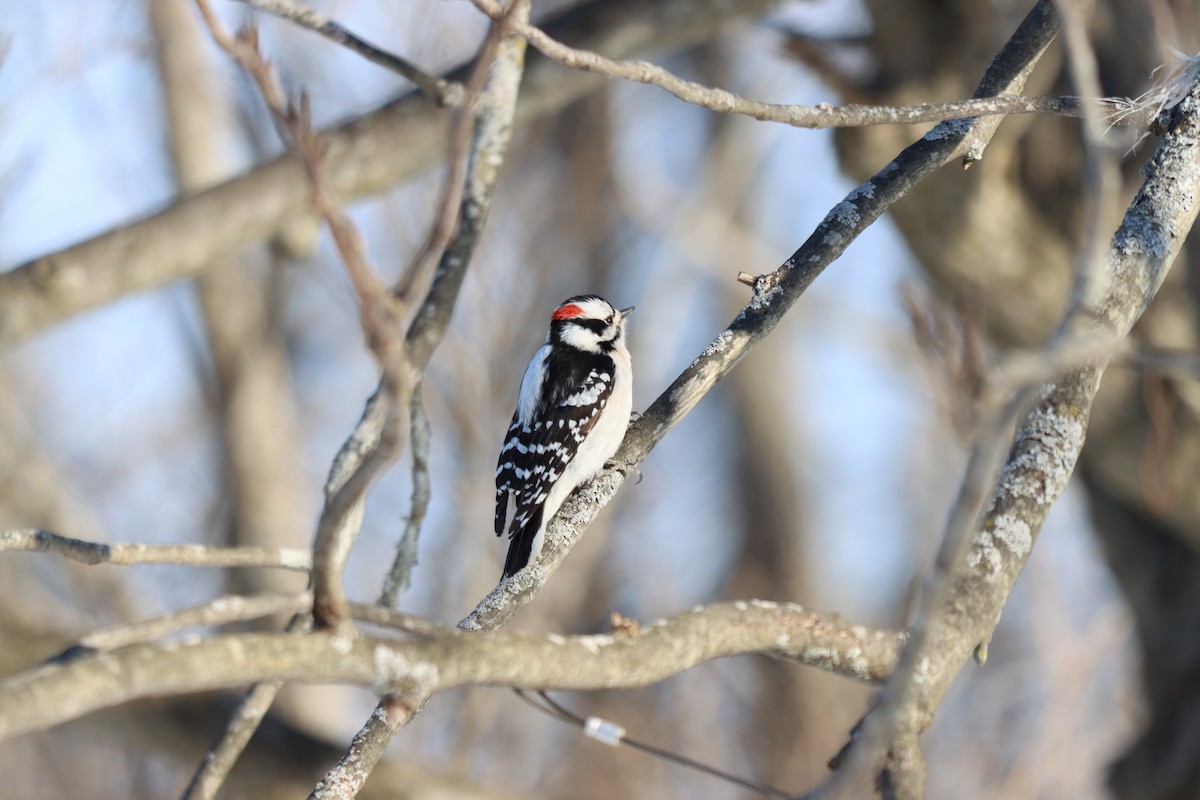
{"x":559,"y":712}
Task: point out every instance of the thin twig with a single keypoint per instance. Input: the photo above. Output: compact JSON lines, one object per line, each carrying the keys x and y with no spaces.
{"x":1117,"y":111}
{"x":1165,"y":361}
{"x":381,"y":314}
{"x":445,"y":92}
{"x":129,"y":553}
{"x":242,"y":608}
{"x":390,"y":618}
{"x":400,"y":575}
{"x":219,"y":759}
{"x":448,"y":217}
{"x":1101,"y":176}
{"x":222,"y":611}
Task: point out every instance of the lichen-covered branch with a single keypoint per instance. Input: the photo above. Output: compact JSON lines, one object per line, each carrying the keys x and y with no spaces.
{"x":1049,"y":441}
{"x":436,"y":661}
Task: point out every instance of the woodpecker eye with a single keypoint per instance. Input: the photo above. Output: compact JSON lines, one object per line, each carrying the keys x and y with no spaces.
{"x":608,"y":320}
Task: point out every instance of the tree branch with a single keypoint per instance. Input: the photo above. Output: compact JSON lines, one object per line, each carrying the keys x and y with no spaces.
{"x":361,"y":159}
{"x":380,"y":311}
{"x":222,"y":611}
{"x":400,"y":574}
{"x":1118,"y":111}
{"x":1048,"y":443}
{"x":128,"y":553}
{"x":445,"y":92}
{"x":432,"y":662}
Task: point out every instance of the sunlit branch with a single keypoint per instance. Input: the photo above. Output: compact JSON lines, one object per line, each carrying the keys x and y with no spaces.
{"x":445,"y":658}
{"x":130,"y":553}
{"x":1116,"y":110}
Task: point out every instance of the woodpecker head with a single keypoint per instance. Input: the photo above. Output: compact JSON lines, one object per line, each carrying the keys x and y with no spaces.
{"x":589,"y":322}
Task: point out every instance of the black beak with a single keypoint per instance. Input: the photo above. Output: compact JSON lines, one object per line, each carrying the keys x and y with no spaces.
{"x":625,"y":312}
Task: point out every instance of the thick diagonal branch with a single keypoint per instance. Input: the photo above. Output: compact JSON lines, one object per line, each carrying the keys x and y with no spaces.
{"x":1049,"y":441}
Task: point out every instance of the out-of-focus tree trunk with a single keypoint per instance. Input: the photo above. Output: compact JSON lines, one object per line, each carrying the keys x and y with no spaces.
{"x":800,"y":716}
{"x":1004,"y":235}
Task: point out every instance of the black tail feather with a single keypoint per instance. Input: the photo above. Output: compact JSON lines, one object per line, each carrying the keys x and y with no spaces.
{"x":522,"y":546}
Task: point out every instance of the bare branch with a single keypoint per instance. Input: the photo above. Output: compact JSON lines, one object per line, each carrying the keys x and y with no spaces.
{"x":381,"y":314}
{"x":400,"y":574}
{"x":242,"y":608}
{"x":445,"y":92}
{"x":188,"y":236}
{"x":342,"y":515}
{"x":128,"y":553}
{"x":466,"y":135}
{"x":1117,"y":111}
{"x":222,"y":611}
{"x":219,"y":759}
{"x":54,"y":693}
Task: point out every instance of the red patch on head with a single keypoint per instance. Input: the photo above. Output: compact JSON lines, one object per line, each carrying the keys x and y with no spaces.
{"x":567,"y":311}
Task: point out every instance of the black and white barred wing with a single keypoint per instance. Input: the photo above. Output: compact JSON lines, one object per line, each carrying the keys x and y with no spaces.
{"x":535,"y":455}
{"x":511,"y":470}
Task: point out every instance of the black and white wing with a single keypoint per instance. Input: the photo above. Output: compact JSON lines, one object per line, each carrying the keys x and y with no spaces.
{"x":538,"y":449}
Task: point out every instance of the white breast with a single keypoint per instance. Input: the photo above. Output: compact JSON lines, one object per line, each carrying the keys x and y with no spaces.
{"x":603,"y":440}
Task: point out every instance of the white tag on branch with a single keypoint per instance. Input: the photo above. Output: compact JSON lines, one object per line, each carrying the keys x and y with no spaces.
{"x":604,"y":731}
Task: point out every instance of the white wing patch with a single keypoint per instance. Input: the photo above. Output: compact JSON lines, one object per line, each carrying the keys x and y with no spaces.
{"x":597,"y":384}
{"x":531,"y":386}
